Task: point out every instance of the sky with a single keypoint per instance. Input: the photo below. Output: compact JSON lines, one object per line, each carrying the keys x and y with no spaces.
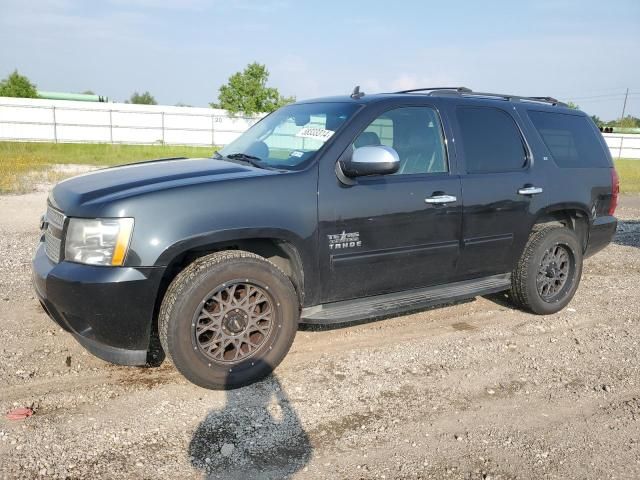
{"x":181,"y":51}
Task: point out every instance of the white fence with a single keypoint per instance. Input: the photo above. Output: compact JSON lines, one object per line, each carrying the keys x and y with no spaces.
{"x":25,"y":119}
{"x":623,"y":145}
{"x":85,"y":122}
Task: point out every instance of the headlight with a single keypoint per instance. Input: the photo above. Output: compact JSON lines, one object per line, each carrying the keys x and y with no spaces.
{"x":98,"y":241}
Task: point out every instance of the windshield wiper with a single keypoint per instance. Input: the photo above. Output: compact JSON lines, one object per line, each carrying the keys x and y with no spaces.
{"x":250,"y":159}
{"x":243,"y":156}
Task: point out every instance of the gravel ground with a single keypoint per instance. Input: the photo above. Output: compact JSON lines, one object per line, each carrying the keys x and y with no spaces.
{"x":475,"y":390}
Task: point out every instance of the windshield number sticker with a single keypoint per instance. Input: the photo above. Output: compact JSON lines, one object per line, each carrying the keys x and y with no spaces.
{"x":296,"y":153}
{"x":316,"y":133}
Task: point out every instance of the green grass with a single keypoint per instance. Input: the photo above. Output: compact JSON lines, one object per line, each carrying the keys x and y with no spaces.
{"x":629,"y":173}
{"x":23,"y":164}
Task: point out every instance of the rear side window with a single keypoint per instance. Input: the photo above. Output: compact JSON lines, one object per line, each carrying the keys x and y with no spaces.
{"x":491,"y":140}
{"x":570,"y":139}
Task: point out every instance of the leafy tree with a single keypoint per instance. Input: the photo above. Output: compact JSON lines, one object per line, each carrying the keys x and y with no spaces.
{"x":247,"y":92}
{"x":628,"y":122}
{"x":142,"y":99}
{"x":16,"y":85}
{"x":575,"y":106}
{"x":597,"y":120}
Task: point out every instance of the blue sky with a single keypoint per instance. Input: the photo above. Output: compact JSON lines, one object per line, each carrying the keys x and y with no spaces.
{"x":183,"y":50}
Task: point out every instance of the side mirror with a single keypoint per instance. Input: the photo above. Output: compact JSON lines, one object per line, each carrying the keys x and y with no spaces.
{"x":371,"y":160}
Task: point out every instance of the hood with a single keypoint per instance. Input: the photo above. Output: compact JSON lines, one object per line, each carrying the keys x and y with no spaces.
{"x":139,"y":178}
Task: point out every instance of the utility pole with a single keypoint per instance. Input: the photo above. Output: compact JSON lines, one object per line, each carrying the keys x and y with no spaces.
{"x":624,"y":105}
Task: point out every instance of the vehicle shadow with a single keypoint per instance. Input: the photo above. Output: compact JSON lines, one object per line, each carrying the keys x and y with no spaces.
{"x":628,"y":233}
{"x":502,"y":299}
{"x":257,"y":434}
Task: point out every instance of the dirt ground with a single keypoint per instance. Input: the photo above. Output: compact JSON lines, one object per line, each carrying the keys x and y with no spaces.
{"x":475,"y":390}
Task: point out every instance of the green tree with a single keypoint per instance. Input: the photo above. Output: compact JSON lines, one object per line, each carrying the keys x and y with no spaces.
{"x":597,"y":120}
{"x":628,"y":122}
{"x":142,"y":99}
{"x":575,"y":106}
{"x":16,"y":85}
{"x":247,"y":92}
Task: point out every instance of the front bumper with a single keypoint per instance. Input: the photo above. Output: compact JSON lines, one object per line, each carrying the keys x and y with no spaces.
{"x":601,"y":233}
{"x":109,"y":310}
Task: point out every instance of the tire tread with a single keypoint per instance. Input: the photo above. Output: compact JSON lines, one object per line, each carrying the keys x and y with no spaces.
{"x":184,"y":280}
{"x":521,"y":274}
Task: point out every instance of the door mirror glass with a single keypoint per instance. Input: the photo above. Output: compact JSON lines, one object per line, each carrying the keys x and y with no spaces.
{"x":371,"y":160}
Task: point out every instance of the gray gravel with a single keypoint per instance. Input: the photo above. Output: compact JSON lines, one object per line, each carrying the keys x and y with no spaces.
{"x":471,"y":391}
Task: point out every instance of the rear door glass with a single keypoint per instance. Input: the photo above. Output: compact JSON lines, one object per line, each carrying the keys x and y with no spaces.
{"x":570,"y":139}
{"x":491,"y":140}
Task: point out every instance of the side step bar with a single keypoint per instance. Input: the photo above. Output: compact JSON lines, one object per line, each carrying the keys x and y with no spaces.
{"x":347,"y":311}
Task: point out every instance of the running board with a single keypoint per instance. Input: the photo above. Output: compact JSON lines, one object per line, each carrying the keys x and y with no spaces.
{"x":347,"y":311}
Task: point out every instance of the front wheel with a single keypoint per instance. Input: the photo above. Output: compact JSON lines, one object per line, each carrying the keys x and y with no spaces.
{"x":548,"y":273}
{"x":228,"y":319}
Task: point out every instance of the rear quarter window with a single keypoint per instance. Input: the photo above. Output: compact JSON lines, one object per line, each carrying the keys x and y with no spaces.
{"x":571,"y":140}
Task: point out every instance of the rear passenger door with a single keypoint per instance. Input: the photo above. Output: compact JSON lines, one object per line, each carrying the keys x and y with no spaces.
{"x":499,"y":185}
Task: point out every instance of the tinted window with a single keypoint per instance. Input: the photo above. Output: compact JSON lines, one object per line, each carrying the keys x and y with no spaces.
{"x":415,"y":133}
{"x":570,"y":139}
{"x":491,"y":140}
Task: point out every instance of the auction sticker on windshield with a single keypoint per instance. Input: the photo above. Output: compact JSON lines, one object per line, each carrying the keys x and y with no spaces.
{"x":316,"y":133}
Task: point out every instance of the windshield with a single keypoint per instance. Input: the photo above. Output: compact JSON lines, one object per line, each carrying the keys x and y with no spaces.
{"x":290,"y":136}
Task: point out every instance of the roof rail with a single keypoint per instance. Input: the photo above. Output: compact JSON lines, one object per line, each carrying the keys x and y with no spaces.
{"x":467,"y":92}
{"x":546,"y":99}
{"x":455,"y":89}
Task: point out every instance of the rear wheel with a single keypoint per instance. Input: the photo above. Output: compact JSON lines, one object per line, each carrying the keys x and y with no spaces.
{"x":549,"y":271}
{"x":228,"y":319}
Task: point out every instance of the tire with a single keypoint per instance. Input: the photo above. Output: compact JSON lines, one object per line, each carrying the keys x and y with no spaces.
{"x":537,"y":282}
{"x":228,"y":319}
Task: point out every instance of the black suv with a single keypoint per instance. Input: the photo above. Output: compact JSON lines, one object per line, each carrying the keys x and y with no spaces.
{"x":326,"y":212}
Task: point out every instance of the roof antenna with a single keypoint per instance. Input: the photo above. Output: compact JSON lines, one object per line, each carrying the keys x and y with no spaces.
{"x":356,"y":94}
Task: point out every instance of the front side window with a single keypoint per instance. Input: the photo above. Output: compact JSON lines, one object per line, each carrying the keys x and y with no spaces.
{"x":491,"y":140}
{"x":290,"y":137}
{"x":415,"y":133}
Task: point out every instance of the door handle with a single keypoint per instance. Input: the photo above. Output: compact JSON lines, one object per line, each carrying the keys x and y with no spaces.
{"x":530,"y":190}
{"x":436,"y":199}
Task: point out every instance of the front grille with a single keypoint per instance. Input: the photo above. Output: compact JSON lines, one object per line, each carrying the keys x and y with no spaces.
{"x":53,"y":234}
{"x":55,"y":217}
{"x":52,"y":246}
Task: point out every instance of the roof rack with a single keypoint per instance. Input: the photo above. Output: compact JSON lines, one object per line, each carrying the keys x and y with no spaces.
{"x":455,"y":89}
{"x":467,"y":92}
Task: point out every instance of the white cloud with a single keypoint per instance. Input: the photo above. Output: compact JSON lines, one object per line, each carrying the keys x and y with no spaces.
{"x":197,"y":5}
{"x":263,"y":6}
{"x":289,"y":72}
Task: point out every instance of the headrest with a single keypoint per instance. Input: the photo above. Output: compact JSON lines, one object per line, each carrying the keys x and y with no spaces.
{"x":366,"y":139}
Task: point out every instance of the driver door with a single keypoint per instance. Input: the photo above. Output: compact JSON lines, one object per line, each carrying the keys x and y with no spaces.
{"x":384,"y":233}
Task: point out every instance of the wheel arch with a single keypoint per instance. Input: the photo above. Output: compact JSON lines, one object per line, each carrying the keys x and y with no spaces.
{"x":573,"y":216}
{"x":280,"y":247}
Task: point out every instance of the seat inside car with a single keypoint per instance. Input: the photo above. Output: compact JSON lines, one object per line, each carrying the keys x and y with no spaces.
{"x":367,"y":139}
{"x":417,"y":153}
